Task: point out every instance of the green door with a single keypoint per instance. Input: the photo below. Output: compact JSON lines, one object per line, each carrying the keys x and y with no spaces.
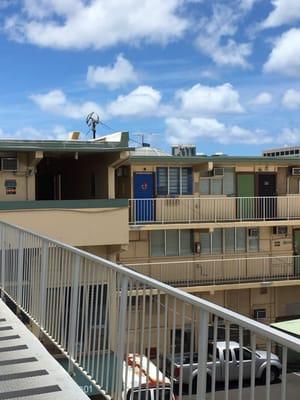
{"x":246,"y":193}
{"x":297,"y":251}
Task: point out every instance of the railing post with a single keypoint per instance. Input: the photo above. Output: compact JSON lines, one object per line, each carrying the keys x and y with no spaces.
{"x":2,"y":232}
{"x":20,"y":268}
{"x":43,"y":282}
{"x":288,"y":207}
{"x":202,"y":354}
{"x":121,"y":335}
{"x":73,"y":313}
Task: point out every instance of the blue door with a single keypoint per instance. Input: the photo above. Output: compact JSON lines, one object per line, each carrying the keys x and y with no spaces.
{"x":144,"y":210}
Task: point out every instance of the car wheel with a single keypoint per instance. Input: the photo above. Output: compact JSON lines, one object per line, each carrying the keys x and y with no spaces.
{"x":208,"y":384}
{"x":274,"y":374}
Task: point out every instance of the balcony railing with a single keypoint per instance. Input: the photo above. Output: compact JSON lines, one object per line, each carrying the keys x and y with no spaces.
{"x":213,"y":209}
{"x":220,"y":271}
{"x":110,"y":321}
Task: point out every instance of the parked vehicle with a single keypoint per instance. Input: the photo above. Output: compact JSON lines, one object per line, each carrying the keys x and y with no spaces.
{"x":142,"y":380}
{"x":190,"y":367}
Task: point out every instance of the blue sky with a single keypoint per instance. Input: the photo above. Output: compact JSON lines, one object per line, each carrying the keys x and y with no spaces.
{"x":223,"y":74}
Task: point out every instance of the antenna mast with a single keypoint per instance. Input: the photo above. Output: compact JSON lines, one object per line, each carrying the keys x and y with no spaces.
{"x":92,"y":121}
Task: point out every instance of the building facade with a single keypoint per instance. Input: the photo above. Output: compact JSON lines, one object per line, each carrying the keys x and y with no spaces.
{"x":224,"y":228}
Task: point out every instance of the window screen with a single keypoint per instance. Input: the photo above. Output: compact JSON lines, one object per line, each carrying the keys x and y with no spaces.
{"x":204,"y":185}
{"x":172,"y":242}
{"x":186,"y":181}
{"x":174,"y":180}
{"x":157,"y":243}
{"x":186,"y":242}
{"x":241,"y":239}
{"x":229,"y":237}
{"x":217,"y":241}
{"x":216,"y":186}
{"x":229,"y":181}
{"x":205,"y":242}
{"x":162,"y":181}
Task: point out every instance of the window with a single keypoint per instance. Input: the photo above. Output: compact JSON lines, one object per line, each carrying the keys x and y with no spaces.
{"x":218,"y":185}
{"x":205,"y":242}
{"x":229,"y":240}
{"x":157,"y":243}
{"x":253,"y":239}
{"x":162,"y":181}
{"x":241,"y":245}
{"x":230,"y":355}
{"x":174,"y":181}
{"x":247,"y":355}
{"x":186,"y":242}
{"x":217,"y":241}
{"x":171,"y":242}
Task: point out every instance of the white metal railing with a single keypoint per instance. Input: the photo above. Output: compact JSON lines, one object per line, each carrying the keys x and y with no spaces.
{"x":218,"y":271}
{"x":213,"y":209}
{"x":110,"y":321}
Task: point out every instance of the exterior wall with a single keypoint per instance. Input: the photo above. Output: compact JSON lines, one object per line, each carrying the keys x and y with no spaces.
{"x":25,"y":182}
{"x":78,"y":227}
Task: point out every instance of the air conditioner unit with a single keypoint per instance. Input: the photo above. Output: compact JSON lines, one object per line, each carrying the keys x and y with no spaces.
{"x":296,"y":171}
{"x":218,"y":171}
{"x":253,"y":232}
{"x":260,"y":314}
{"x":280,"y":230}
{"x":9,"y":164}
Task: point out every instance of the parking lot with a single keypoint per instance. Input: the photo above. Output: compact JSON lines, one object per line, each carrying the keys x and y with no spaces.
{"x":293,"y":390}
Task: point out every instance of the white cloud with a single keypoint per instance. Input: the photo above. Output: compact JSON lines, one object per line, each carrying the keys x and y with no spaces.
{"x":209,"y":100}
{"x":58,"y":132}
{"x":247,"y":5}
{"x":112,"y":76}
{"x":216,"y":37}
{"x":181,"y":130}
{"x":57,"y":103}
{"x":285,"y":56}
{"x":285,"y":12}
{"x":142,"y":101}
{"x":80,"y":24}
{"x":262,"y":99}
{"x":291,"y":99}
{"x":289,"y":136}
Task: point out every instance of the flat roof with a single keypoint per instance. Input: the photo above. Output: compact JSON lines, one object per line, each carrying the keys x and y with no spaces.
{"x":89,"y":146}
{"x":215,"y":159}
{"x":27,"y":370}
{"x":292,"y":326}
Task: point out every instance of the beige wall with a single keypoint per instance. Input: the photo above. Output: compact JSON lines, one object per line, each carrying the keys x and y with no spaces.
{"x":78,"y":227}
{"x":25,"y":189}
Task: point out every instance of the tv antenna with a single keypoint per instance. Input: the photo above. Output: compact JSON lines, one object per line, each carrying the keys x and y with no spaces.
{"x":92,"y":121}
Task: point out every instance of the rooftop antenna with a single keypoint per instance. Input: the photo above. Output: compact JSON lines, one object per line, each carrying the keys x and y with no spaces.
{"x":92,"y":121}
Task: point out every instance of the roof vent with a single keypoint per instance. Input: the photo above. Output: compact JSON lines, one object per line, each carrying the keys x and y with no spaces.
{"x":184,"y":150}
{"x":74,"y":135}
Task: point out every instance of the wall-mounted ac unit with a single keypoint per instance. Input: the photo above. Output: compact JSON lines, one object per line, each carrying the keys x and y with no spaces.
{"x":280,"y":230}
{"x":9,"y":164}
{"x":260,"y":314}
{"x":218,"y":171}
{"x":253,"y":232}
{"x":296,"y":171}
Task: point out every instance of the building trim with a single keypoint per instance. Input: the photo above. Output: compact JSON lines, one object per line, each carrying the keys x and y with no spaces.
{"x":62,"y":204}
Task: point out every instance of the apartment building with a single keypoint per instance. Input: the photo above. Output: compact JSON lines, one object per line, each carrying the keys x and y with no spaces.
{"x":66,"y":190}
{"x":224,"y":228}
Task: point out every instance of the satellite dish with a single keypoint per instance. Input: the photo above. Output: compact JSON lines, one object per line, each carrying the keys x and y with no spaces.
{"x":92,"y":121}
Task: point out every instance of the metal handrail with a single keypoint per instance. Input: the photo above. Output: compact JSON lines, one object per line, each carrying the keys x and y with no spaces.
{"x":68,"y":292}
